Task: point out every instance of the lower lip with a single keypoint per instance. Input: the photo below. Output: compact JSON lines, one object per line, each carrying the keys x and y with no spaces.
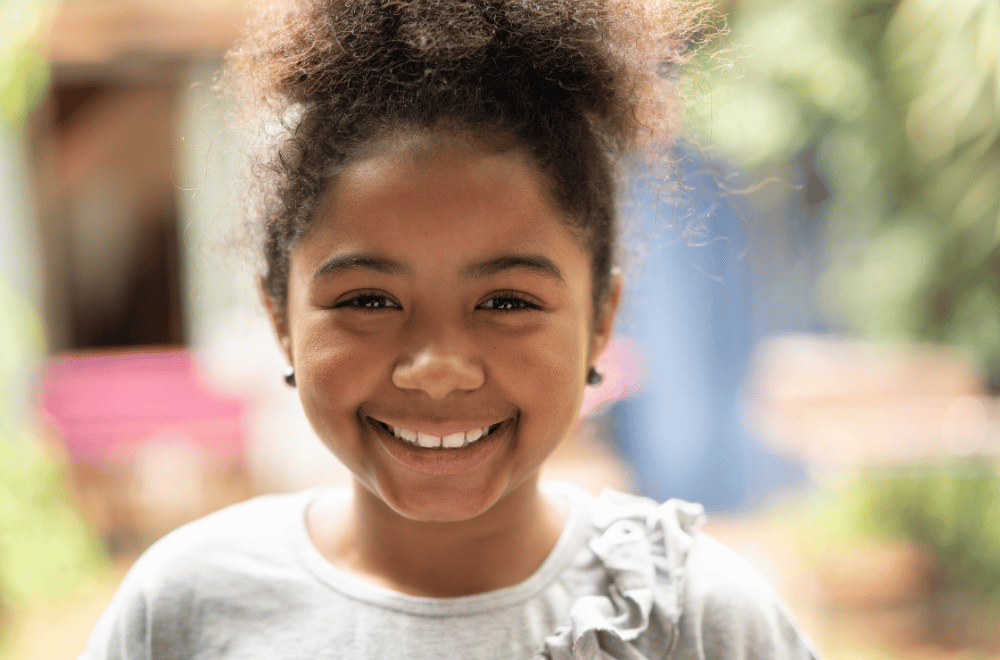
{"x":438,"y":461}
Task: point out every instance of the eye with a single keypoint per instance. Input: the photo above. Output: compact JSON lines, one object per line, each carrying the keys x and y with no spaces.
{"x":507,"y":302}
{"x":368,"y":301}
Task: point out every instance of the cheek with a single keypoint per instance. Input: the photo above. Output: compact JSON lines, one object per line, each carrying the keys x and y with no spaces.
{"x":335,"y":371}
{"x":543,"y":374}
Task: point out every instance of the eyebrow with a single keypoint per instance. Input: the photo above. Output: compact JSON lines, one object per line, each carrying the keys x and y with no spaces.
{"x":364,"y":261}
{"x":533,"y":262}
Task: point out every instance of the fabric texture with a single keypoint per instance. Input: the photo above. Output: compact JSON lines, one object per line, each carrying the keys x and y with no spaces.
{"x":629,"y":579}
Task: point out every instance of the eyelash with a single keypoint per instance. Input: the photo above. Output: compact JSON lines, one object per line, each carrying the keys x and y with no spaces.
{"x":516,"y":302}
{"x":364,"y":301}
{"x":506,"y":302}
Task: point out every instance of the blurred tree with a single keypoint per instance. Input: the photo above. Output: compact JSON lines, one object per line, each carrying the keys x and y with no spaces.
{"x":897,"y":107}
{"x":44,"y":546}
{"x":24,"y":74}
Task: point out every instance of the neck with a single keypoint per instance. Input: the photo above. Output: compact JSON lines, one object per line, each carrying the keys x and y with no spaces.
{"x":496,"y":549}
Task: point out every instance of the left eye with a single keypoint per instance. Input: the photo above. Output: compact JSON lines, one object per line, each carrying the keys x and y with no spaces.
{"x":507,"y":303}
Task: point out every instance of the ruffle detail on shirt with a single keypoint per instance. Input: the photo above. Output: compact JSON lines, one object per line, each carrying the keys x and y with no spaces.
{"x":643,"y":547}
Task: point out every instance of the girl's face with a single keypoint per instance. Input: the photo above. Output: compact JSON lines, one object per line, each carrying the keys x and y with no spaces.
{"x":438,"y":295}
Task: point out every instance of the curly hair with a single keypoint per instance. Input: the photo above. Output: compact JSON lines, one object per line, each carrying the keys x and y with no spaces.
{"x":578,"y":84}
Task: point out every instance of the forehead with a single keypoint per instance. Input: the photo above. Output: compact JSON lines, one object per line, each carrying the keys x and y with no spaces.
{"x":445,"y":185}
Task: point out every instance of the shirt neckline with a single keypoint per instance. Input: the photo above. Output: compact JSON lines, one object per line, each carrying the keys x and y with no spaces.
{"x":356,"y":588}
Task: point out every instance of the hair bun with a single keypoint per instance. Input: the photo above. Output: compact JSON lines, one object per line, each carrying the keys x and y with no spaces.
{"x":606,"y":56}
{"x":576,"y":83}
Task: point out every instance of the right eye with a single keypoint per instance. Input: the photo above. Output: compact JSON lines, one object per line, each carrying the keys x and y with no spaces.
{"x":368,"y":301}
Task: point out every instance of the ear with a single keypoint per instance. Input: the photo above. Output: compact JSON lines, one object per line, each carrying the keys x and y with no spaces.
{"x":279,"y":321}
{"x":605,"y":320}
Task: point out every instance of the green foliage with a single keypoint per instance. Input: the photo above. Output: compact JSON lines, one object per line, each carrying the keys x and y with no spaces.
{"x":899,"y":105}
{"x":953,"y":509}
{"x":23,"y":341}
{"x":24,"y":72}
{"x":949,"y":508}
{"x":45,"y":548}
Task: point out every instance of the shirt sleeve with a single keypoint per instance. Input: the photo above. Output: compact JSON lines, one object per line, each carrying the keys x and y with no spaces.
{"x":730,"y":611}
{"x":154,"y":613}
{"x":122,"y":631}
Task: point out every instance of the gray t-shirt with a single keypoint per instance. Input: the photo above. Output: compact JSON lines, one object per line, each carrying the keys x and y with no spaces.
{"x":629,"y":579}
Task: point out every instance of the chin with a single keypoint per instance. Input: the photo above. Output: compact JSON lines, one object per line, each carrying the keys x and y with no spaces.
{"x":441,"y":504}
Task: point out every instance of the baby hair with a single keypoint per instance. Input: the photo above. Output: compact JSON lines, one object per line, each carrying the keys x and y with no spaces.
{"x":577,"y":84}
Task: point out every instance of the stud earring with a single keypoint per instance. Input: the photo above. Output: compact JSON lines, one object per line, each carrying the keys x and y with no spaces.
{"x":594,"y":377}
{"x":289,"y":376}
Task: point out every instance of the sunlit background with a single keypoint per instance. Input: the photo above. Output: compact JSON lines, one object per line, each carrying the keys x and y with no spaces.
{"x":810,"y":344}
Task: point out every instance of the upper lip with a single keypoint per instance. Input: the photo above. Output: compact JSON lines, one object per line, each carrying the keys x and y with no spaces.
{"x":436,"y":428}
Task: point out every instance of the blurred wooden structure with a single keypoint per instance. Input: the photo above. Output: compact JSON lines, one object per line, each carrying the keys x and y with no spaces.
{"x":840,"y":403}
{"x":105,"y":143}
{"x":128,"y":38}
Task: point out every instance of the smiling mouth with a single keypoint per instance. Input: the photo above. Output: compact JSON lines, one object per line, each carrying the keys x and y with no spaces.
{"x":428,"y":441}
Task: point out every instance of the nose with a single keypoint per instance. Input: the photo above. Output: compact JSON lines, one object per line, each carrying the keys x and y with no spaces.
{"x":439,"y":371}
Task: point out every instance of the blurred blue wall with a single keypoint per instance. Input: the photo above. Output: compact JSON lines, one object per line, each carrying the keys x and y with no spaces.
{"x":689,"y":304}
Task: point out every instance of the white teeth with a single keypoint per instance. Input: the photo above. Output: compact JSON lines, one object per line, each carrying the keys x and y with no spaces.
{"x":452,"y":441}
{"x":425,"y":440}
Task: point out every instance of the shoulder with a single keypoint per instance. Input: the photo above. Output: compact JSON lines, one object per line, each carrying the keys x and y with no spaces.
{"x":689,"y":596}
{"x":260,"y":516}
{"x":257,"y":528}
{"x":731,"y":610}
{"x":202,"y":562}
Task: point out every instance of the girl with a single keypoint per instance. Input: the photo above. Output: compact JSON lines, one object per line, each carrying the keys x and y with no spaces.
{"x":439,"y":227}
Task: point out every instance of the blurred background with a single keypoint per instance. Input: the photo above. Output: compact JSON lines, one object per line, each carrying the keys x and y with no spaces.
{"x":810,"y":343}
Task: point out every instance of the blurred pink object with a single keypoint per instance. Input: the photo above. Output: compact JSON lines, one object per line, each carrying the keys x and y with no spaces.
{"x":110,"y":406}
{"x":621,"y":364}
